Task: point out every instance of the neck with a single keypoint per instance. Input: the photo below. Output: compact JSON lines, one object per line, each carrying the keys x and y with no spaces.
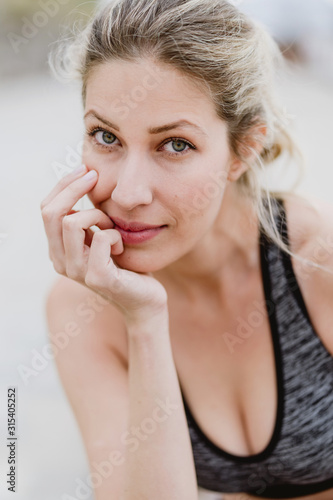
{"x":229,"y":250}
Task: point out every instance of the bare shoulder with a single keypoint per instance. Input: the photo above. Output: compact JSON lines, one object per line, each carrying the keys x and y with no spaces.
{"x":307,"y":216}
{"x":79,"y":308}
{"x":310,"y":230}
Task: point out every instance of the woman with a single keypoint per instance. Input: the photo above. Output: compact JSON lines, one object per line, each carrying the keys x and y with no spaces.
{"x":198,"y":278}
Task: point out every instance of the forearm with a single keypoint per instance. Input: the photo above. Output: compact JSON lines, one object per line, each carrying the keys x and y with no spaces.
{"x":161,"y":464}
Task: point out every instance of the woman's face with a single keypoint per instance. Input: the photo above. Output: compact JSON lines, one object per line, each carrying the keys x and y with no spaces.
{"x":173,"y":178}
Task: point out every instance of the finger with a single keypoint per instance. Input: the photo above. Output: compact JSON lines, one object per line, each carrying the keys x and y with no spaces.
{"x":89,"y":233}
{"x":54,"y":212}
{"x":66,"y":198}
{"x":104,"y":244}
{"x":74,"y":234}
{"x":64,"y":182}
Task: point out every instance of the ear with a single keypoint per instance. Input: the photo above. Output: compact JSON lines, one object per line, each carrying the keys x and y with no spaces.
{"x":248,"y":151}
{"x":237,"y":169}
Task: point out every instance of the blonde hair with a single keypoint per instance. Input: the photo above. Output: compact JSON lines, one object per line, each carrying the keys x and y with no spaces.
{"x":222,"y":51}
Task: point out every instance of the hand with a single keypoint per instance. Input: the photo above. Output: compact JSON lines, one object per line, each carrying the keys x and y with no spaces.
{"x":85,"y":256}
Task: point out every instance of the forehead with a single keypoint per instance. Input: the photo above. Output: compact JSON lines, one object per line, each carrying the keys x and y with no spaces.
{"x":146,"y":87}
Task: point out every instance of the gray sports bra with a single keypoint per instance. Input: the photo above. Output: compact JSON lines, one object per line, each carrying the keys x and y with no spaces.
{"x":298,"y":460}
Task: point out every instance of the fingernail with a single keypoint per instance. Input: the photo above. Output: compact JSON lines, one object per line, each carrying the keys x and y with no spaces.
{"x":90,"y":175}
{"x":80,"y":169}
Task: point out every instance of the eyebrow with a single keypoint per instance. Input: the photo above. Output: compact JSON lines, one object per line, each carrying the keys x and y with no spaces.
{"x":152,"y":130}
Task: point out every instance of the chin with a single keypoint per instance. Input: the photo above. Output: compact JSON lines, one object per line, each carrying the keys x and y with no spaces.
{"x":144,"y":263}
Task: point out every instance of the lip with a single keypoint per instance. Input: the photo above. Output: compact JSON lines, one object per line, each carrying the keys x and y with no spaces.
{"x":134,"y":237}
{"x":136,"y":232}
{"x":132,"y":226}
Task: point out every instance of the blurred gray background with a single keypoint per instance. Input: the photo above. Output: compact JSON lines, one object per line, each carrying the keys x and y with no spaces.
{"x":41,"y":130}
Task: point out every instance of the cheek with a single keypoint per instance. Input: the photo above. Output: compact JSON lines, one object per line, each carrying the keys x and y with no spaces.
{"x":103,"y":188}
{"x":92,"y":158}
{"x":200,"y":198}
{"x":88,"y":154}
{"x":94,"y":161}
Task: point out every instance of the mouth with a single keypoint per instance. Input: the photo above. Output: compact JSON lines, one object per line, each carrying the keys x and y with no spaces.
{"x":136,"y":232}
{"x":134,"y":226}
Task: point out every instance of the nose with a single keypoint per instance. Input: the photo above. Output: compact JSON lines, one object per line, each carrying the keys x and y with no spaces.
{"x":133,"y":186}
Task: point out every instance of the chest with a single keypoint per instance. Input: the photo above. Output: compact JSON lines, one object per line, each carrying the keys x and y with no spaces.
{"x":232,"y":389}
{"x":228,"y":364}
{"x":226,"y":367}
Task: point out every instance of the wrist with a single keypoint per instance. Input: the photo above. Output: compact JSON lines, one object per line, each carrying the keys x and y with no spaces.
{"x":148,"y":323}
